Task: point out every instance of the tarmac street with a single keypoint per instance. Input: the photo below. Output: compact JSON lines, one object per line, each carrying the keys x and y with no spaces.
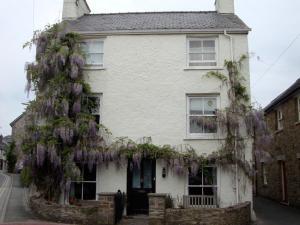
{"x":272,"y":213}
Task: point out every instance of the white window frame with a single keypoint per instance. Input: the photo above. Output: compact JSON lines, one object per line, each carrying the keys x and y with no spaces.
{"x":279,"y":118}
{"x":205,"y":186}
{"x":95,"y":65}
{"x":200,"y":135}
{"x":82,"y":182}
{"x":203,"y":61}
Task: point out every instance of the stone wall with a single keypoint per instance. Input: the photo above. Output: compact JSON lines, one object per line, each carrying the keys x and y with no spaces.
{"x":157,"y":209}
{"x":100,"y":212}
{"x":285,"y":147}
{"x":159,"y":215}
{"x":236,"y":215}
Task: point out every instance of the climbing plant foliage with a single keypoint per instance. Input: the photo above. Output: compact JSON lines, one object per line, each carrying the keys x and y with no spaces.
{"x":62,"y":133}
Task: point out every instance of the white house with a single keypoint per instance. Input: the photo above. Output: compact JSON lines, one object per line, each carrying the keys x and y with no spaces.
{"x":148,"y":71}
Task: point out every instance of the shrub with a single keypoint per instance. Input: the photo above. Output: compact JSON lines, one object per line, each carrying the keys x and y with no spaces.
{"x":26,"y":177}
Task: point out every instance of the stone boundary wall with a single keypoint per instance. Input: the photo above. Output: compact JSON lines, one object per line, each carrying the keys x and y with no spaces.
{"x":236,"y":215}
{"x":157,"y":209}
{"x":101,"y":212}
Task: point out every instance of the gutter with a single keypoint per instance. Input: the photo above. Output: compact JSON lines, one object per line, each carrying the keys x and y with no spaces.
{"x":153,"y":32}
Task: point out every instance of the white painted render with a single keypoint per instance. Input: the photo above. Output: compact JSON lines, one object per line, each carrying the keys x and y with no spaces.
{"x":73,"y":10}
{"x":144,"y":85}
{"x":224,"y":6}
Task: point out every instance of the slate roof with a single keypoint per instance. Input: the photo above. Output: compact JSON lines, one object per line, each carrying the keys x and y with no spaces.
{"x":283,"y":96}
{"x":157,"y":21}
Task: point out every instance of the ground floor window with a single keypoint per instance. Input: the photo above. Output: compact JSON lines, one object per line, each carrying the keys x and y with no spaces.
{"x":204,"y":183}
{"x":85,"y":189}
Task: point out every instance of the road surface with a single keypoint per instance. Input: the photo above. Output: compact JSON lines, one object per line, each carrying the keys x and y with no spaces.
{"x":273,"y":213}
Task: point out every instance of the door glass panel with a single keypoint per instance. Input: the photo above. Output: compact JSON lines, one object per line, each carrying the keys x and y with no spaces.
{"x":136,"y":177}
{"x":147,"y":174}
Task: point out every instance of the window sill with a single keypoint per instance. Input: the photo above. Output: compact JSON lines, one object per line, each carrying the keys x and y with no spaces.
{"x":202,"y":137}
{"x":94,"y":68}
{"x":203,"y":68}
{"x":297,"y":123}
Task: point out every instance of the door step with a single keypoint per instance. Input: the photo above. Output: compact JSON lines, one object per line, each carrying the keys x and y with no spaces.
{"x":134,"y":220}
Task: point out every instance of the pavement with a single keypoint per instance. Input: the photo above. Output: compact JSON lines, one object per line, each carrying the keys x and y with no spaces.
{"x":273,"y":213}
{"x":14,"y":208}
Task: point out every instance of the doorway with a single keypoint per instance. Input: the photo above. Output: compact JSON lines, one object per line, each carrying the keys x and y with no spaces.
{"x":283,"y":183}
{"x":140,"y":182}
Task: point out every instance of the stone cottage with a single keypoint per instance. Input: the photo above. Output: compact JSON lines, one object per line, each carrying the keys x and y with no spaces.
{"x":148,"y":75}
{"x":279,"y":178}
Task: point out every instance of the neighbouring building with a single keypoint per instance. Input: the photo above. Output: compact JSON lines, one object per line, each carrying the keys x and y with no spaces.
{"x":279,"y":178}
{"x":4,"y":143}
{"x":148,"y":72}
{"x":17,"y":134}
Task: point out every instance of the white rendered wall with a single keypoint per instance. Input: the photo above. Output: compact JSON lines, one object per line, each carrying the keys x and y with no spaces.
{"x":110,"y":178}
{"x":144,"y":87}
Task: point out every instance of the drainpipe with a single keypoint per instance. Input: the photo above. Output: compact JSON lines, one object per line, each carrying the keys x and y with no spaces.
{"x":237,"y":191}
{"x":231,"y":44}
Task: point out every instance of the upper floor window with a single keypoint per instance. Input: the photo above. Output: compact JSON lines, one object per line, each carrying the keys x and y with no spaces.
{"x":201,"y":115}
{"x":279,"y":119}
{"x":93,"y":105}
{"x":93,"y":50}
{"x":202,"y":52}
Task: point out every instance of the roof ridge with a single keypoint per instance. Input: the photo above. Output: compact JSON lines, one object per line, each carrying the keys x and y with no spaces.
{"x":149,"y":12}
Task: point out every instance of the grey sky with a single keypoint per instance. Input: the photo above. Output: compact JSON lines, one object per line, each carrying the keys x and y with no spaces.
{"x":275,"y":24}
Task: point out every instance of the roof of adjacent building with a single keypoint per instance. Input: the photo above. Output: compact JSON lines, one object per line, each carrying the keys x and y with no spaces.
{"x":284,"y":96}
{"x":16,"y":120}
{"x":158,"y":21}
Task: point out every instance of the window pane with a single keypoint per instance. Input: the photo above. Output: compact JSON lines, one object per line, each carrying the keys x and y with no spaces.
{"x":195,"y":46}
{"x":209,"y":176}
{"x":210,"y":191}
{"x":89,"y":191}
{"x":196,"y":180}
{"x":196,"y":106}
{"x":95,"y":47}
{"x":94,"y":104}
{"x":76,"y":190}
{"x":196,"y":56}
{"x":94,"y":59}
{"x":195,"y":190}
{"x":208,"y":46}
{"x":84,"y":47}
{"x":89,"y":175}
{"x":209,"y":124}
{"x":136,"y":177}
{"x":196,"y":124}
{"x":147,"y":174}
{"x":210,"y":106}
{"x":209,"y":56}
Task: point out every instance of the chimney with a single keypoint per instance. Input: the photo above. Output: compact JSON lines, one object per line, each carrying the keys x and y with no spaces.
{"x":224,"y":6}
{"x":74,"y":9}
